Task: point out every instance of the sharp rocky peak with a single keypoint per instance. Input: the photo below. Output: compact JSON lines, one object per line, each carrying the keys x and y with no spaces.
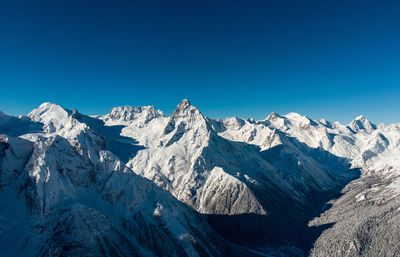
{"x":185,"y":108}
{"x":273,"y":115}
{"x":184,"y":104}
{"x":275,"y":119}
{"x":362,"y":124}
{"x":185,"y":114}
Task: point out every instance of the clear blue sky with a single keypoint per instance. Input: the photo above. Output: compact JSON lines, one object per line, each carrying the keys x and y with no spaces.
{"x":326,"y":59}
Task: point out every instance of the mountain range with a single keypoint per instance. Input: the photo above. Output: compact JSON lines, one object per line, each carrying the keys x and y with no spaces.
{"x":135,"y":182}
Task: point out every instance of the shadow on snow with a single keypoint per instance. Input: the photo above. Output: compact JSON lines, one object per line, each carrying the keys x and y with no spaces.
{"x":286,"y":223}
{"x":123,"y":147}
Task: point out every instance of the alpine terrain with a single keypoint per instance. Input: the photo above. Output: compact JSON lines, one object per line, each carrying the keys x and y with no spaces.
{"x":135,"y":182}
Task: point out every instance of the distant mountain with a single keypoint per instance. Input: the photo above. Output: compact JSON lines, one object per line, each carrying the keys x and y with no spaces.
{"x":137,"y":183}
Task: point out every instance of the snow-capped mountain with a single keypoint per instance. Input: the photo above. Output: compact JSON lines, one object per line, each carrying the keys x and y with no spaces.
{"x":135,"y":182}
{"x":64,"y":193}
{"x":364,"y":221}
{"x":195,"y":159}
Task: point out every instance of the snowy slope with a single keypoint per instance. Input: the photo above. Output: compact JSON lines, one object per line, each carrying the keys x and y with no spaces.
{"x":203,"y":163}
{"x":366,"y":218}
{"x":74,"y":197}
{"x":109,"y":185}
{"x":186,"y":148}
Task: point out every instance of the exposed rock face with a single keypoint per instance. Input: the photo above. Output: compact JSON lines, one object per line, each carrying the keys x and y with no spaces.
{"x":74,"y":197}
{"x":196,"y":159}
{"x":362,"y":124}
{"x":136,"y":183}
{"x":142,"y":114}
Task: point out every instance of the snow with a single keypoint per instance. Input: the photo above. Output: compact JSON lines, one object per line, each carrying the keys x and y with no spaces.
{"x":71,"y":167}
{"x":135,"y":160}
{"x":362,"y":124}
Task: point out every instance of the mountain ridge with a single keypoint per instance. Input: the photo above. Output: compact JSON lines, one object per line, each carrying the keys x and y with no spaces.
{"x":280,"y":171}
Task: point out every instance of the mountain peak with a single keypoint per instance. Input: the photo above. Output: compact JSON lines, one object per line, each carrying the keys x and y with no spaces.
{"x":48,"y":105}
{"x":47,"y":110}
{"x":184,"y":104}
{"x":54,"y":117}
{"x":273,"y":115}
{"x":186,"y":113}
{"x":361,"y":117}
{"x":297,"y":116}
{"x":234,"y":123}
{"x":360,"y":123}
{"x":130,"y":113}
{"x":293,"y":115}
{"x":185,"y":108}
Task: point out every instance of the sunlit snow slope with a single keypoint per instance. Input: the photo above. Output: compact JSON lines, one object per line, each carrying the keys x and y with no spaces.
{"x":135,"y":182}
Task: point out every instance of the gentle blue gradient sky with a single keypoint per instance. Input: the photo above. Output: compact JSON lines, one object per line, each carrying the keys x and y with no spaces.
{"x":327,"y":59}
